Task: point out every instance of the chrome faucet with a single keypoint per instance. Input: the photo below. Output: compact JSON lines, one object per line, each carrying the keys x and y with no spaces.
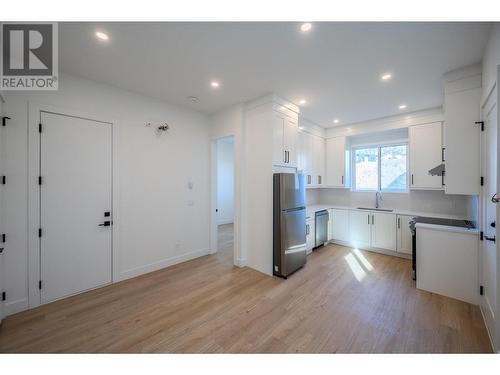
{"x":378,"y":199}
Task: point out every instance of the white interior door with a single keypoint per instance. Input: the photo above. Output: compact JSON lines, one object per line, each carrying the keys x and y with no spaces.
{"x":488,"y":257}
{"x":76,"y":191}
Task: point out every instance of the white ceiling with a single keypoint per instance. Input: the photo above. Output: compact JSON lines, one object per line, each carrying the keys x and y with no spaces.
{"x":336,"y":66}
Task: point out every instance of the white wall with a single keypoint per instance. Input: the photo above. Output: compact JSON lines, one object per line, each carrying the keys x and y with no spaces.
{"x":225,"y":180}
{"x":491,"y":60}
{"x":158,"y":226}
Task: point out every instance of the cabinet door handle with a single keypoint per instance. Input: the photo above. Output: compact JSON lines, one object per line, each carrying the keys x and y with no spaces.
{"x":412,"y":178}
{"x":442,"y":154}
{"x":342,"y":180}
{"x":307,"y":229}
{"x":368,"y":219}
{"x":309,"y":179}
{"x":319,"y":180}
{"x":373,"y":219}
{"x":399,"y":223}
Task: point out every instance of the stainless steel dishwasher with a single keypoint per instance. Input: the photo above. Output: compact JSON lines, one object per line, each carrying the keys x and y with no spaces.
{"x":321,"y":228}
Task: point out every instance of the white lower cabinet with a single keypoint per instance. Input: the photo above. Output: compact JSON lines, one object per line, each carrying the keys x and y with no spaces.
{"x":338,"y":228}
{"x":360,"y":228}
{"x":383,"y":230}
{"x":404,"y":237}
{"x":310,"y":234}
{"x":367,"y":229}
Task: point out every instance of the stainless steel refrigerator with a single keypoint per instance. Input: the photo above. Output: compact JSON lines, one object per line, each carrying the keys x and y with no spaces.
{"x":289,"y":223}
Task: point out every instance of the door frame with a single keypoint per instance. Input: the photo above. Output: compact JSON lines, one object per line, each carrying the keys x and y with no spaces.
{"x":34,"y":109}
{"x":237,"y":259}
{"x":490,"y":313}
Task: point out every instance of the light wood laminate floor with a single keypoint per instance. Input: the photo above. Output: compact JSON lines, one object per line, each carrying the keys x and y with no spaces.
{"x":342,"y":301}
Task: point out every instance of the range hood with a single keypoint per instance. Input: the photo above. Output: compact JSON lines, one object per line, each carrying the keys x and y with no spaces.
{"x":437,"y":171}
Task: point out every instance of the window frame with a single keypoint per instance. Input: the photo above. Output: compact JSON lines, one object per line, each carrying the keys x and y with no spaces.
{"x":379,"y":146}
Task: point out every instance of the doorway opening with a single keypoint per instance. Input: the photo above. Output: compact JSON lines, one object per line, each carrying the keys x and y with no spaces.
{"x":223,"y":196}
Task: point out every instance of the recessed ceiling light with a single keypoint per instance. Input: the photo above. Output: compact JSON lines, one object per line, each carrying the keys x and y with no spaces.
{"x":215,"y":84}
{"x":305,"y":27}
{"x":301,"y":128}
{"x":302,"y":101}
{"x":336,"y":121}
{"x":386,"y":76}
{"x":101,"y":35}
{"x":402,"y":106}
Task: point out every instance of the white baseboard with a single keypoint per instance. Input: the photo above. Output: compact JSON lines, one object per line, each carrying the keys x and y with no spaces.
{"x":488,"y":315}
{"x":240,"y":262}
{"x":13,"y":307}
{"x":127,"y":274}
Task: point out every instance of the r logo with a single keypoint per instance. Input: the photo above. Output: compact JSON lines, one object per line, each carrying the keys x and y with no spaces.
{"x":27,"y":49}
{"x":29,"y":56}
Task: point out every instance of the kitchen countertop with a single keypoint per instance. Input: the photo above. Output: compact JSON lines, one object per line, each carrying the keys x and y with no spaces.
{"x":447,"y":228}
{"x":312,"y":209}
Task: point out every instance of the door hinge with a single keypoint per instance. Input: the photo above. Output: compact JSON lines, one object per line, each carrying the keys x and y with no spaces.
{"x":4,"y":120}
{"x":40,"y":284}
{"x":482,"y":181}
{"x":481,"y":236}
{"x":4,"y":296}
{"x":4,"y":180}
{"x":40,"y":127}
{"x":39,"y":180}
{"x":3,"y":237}
{"x":481,"y":290}
{"x":39,"y":232}
{"x":480,"y":123}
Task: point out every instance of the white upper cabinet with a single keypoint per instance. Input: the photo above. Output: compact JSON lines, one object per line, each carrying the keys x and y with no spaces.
{"x":304,"y":156}
{"x":336,"y":162}
{"x":318,"y":161}
{"x":425,"y":154}
{"x":461,"y":133}
{"x":311,"y":158}
{"x":285,"y":130}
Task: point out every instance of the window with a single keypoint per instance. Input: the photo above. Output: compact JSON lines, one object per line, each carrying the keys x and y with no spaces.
{"x":382,"y":168}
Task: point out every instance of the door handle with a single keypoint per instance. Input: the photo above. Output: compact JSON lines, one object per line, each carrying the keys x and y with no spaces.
{"x":492,"y":239}
{"x":105,"y":224}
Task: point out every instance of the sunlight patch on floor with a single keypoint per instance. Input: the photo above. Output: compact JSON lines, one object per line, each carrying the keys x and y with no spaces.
{"x":362,"y":259}
{"x":358,"y":271}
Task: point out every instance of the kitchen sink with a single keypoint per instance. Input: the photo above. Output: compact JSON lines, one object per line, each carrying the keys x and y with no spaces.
{"x":375,"y":209}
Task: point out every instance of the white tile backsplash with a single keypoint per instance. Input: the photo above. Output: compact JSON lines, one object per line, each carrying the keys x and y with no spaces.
{"x":416,"y":200}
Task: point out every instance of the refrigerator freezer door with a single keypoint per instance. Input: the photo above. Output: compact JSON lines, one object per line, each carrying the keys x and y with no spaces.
{"x":292,"y":192}
{"x":293,"y":239}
